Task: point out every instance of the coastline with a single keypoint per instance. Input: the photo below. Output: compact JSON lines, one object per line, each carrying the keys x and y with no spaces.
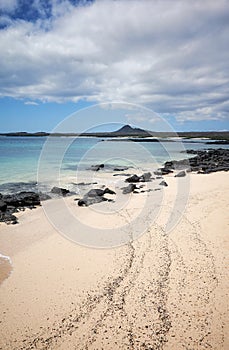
{"x":160,"y":290}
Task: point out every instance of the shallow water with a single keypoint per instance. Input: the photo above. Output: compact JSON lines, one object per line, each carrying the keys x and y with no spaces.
{"x":55,"y":160}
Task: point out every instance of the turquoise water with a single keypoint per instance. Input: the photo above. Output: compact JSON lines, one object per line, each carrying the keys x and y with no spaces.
{"x":20,"y":156}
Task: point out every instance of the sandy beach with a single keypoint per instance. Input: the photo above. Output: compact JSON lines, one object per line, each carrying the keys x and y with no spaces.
{"x":164,"y":290}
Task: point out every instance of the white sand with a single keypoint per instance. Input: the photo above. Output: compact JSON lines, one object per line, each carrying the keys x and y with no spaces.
{"x":162,"y":291}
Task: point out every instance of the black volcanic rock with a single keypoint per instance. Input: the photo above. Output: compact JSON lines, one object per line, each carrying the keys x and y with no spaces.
{"x":3,"y":205}
{"x":22,"y":199}
{"x":59,"y":191}
{"x":44,"y":196}
{"x":99,"y":192}
{"x":86,"y":201}
{"x":10,"y":204}
{"x":128,"y":189}
{"x":181,"y":174}
{"x":163,"y":171}
{"x":204,"y":162}
{"x":121,"y":168}
{"x":8,"y":218}
{"x":94,"y":196}
{"x":146,"y":177}
{"x":133,"y":178}
{"x":163,"y":183}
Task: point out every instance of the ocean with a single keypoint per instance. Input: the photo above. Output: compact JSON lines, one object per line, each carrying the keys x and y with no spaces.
{"x":24,"y":161}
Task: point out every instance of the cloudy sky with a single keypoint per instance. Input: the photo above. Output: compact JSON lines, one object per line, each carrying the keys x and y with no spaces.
{"x":57,"y":56}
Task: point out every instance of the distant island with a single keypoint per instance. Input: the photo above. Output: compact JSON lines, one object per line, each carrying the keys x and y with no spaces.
{"x":129,"y":131}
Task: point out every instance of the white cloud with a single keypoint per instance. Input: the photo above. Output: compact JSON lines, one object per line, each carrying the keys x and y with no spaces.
{"x":118,"y":105}
{"x":170,"y":57}
{"x":205,"y":113}
{"x":8,"y":5}
{"x":32,"y":103}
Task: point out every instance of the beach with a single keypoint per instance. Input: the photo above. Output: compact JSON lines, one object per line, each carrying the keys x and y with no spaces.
{"x":114,"y":169}
{"x":162,"y":290}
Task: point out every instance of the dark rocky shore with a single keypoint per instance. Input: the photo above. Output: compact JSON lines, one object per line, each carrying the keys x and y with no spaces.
{"x":13,"y":203}
{"x":204,"y":162}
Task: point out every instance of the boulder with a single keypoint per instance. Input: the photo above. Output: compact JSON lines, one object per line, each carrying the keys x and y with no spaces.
{"x":133,"y":178}
{"x":3,"y":206}
{"x":146,"y":177}
{"x":44,"y":196}
{"x":99,"y":192}
{"x":108,"y":191}
{"x":95,"y":192}
{"x":163,"y":171}
{"x":94,"y":196}
{"x":166,"y":171}
{"x":22,"y":199}
{"x":163,"y":183}
{"x":8,"y":218}
{"x":181,"y":174}
{"x":60,"y":191}
{"x":130,"y":188}
{"x":10,"y":204}
{"x":143,"y":178}
{"x":86,"y":201}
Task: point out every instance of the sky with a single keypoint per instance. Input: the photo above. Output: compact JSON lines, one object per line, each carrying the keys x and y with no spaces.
{"x":59,"y":56}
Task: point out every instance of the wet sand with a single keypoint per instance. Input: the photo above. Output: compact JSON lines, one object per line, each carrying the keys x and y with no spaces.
{"x":161,"y":291}
{"x":5,"y":268}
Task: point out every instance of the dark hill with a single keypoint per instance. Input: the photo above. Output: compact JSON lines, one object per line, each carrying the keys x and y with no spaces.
{"x":127,"y":130}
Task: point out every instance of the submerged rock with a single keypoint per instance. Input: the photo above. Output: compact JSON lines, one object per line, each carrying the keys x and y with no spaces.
{"x":97,"y":167}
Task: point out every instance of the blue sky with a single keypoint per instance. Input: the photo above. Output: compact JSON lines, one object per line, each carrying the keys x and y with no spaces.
{"x":59,"y":56}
